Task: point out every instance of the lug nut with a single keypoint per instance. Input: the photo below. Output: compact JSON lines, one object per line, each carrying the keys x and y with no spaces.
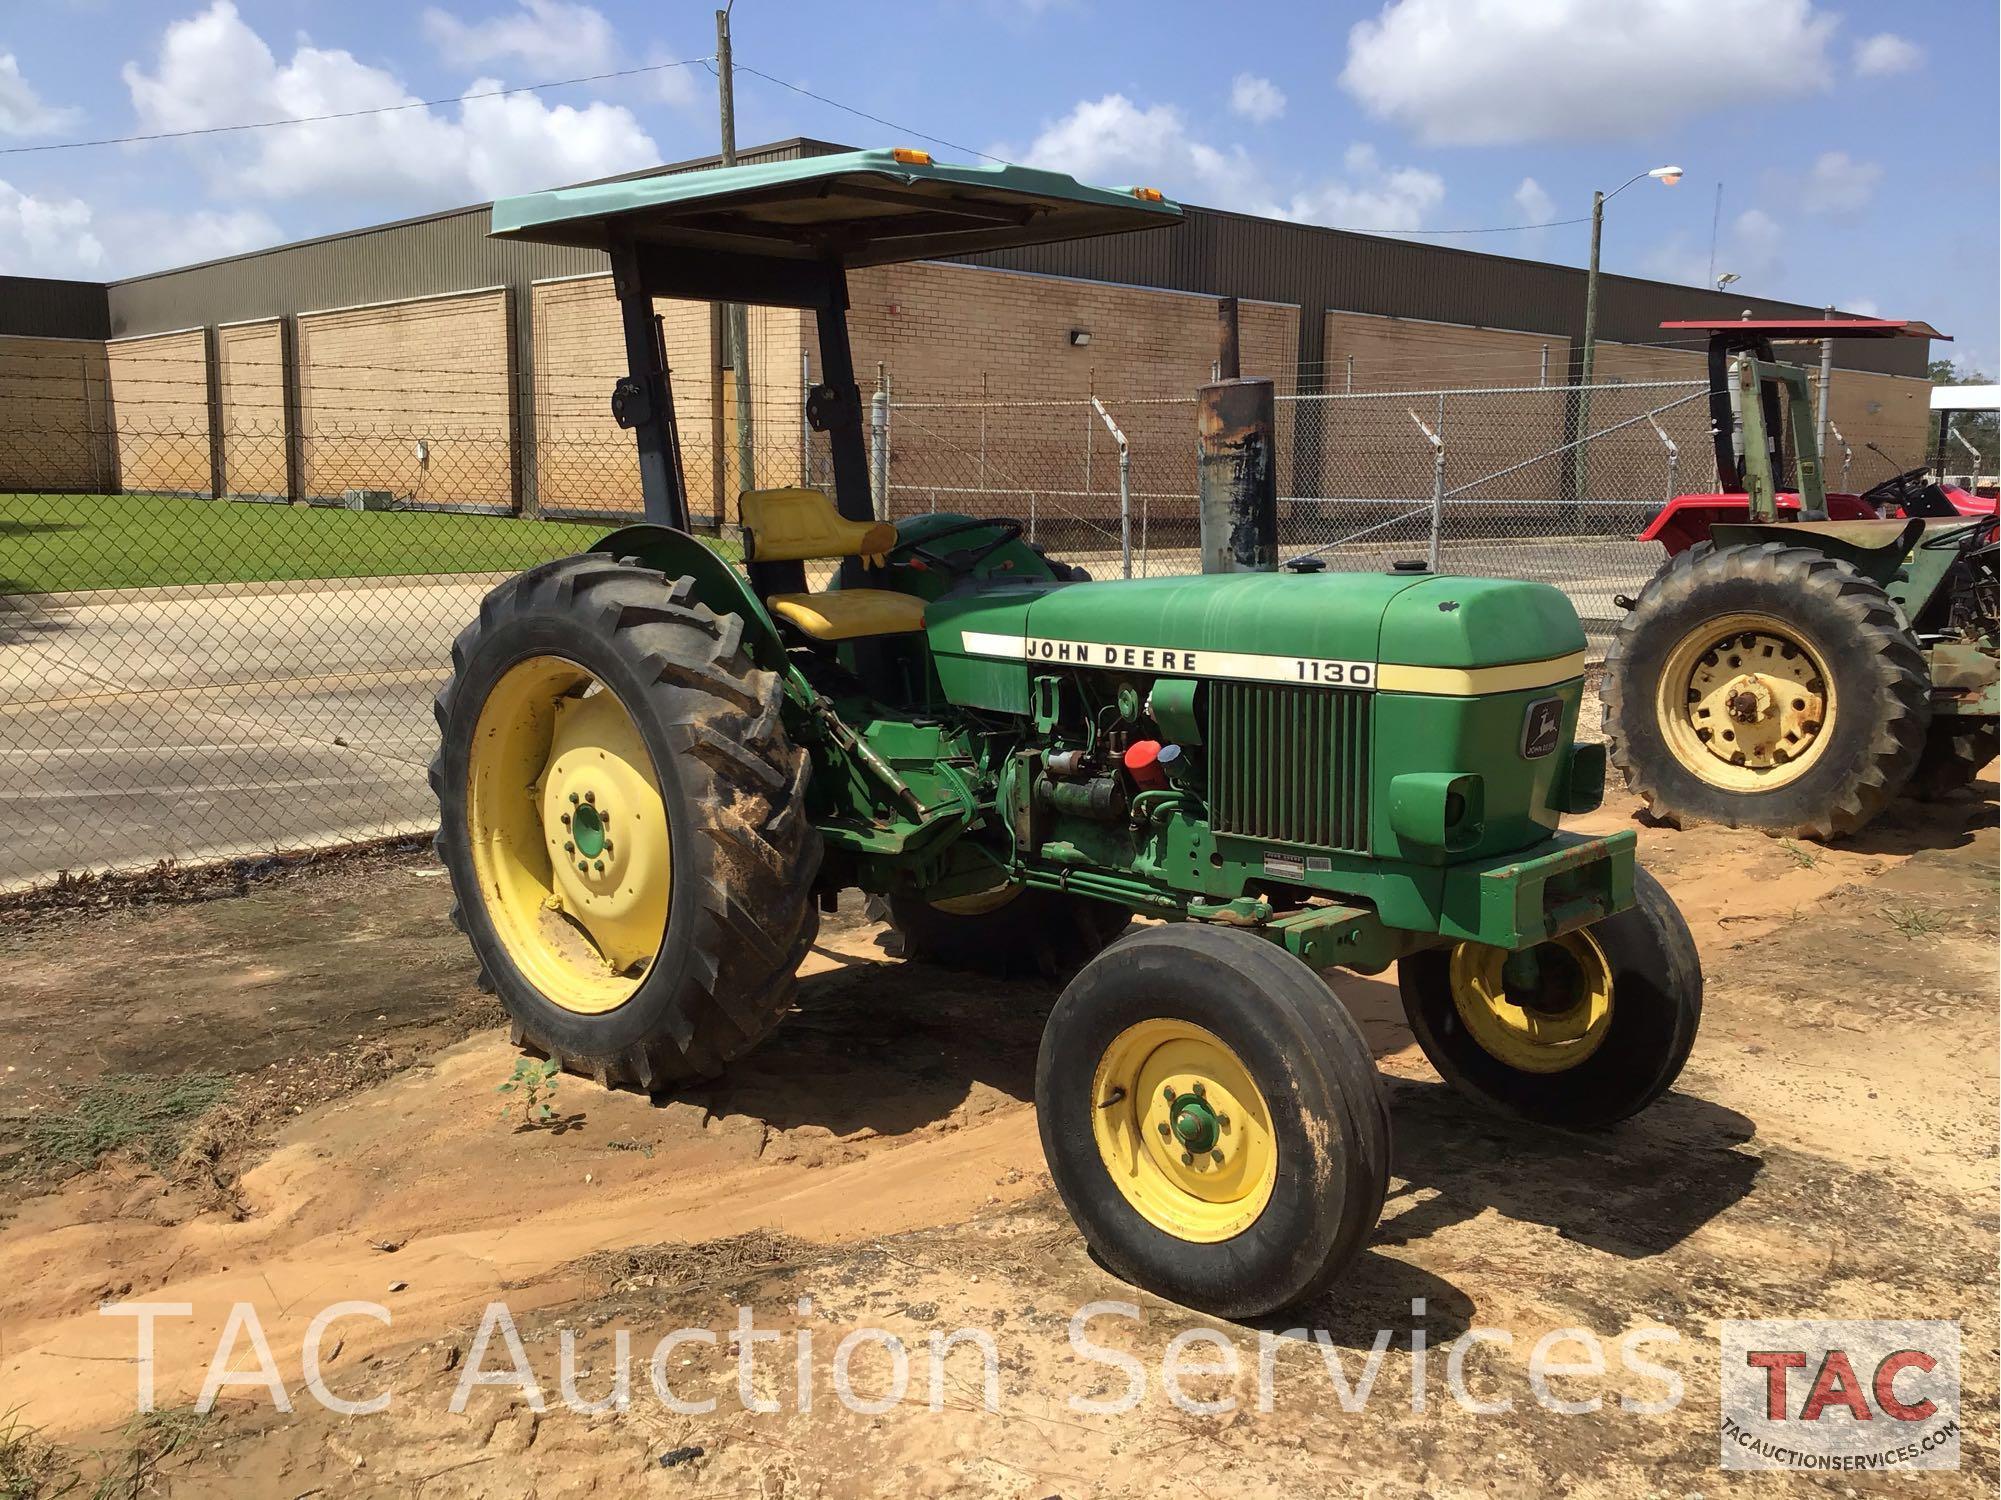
{"x":573,"y":799}
{"x":1165,"y":1129}
{"x":1201,"y":1092}
{"x":569,"y":848}
{"x":1216,"y":1157}
{"x":1168,"y":1093}
{"x":584,"y":866}
{"x":1222,"y":1122}
{"x":599,"y":867}
{"x":1187,"y":1160}
{"x":566,"y":820}
{"x":590,"y":796}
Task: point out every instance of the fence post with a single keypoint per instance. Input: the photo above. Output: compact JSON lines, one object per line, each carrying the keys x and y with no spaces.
{"x":805,"y":427}
{"x":1125,"y":489}
{"x":1436,"y":437}
{"x":878,"y":446}
{"x":218,"y":464}
{"x":1847,"y":453}
{"x":1673,"y":452}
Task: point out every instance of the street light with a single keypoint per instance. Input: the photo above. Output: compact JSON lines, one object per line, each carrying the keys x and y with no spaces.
{"x":1667,"y":177}
{"x":1726,"y":278}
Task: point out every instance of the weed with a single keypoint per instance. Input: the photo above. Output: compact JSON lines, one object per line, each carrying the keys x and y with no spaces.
{"x":30,"y":1467}
{"x":535,"y":1081}
{"x":151,"y":1438}
{"x":1800,"y":855}
{"x":119,"y":1112}
{"x":1914,"y":921}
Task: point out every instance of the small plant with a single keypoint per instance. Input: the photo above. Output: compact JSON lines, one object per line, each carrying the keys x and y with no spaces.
{"x":535,"y":1081}
{"x":145,"y":1114}
{"x":1799,"y":854}
{"x":1914,"y":922}
{"x":30,"y":1467}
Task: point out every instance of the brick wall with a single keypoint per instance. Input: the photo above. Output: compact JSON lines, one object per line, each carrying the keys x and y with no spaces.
{"x":376,"y":382}
{"x":55,"y":430}
{"x":584,"y":460}
{"x":251,"y":380}
{"x":159,"y":403}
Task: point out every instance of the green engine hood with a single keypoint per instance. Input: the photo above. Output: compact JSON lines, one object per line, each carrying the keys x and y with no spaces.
{"x":1324,"y":628}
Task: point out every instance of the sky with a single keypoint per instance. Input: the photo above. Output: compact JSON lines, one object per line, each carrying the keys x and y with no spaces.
{"x":1855,"y":145}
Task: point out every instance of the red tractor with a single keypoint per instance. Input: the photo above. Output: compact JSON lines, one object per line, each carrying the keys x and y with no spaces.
{"x":1803,"y":657}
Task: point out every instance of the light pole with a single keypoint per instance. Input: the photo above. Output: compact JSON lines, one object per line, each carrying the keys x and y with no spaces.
{"x":1668,"y":177}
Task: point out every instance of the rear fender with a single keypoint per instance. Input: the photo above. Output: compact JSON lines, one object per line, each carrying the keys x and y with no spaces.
{"x":718,"y":585}
{"x":1862,"y":545}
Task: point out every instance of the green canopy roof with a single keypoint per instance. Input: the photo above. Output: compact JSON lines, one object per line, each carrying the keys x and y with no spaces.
{"x":862,"y":208}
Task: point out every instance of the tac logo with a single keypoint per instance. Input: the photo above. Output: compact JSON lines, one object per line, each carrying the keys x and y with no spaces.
{"x":1840,"y":1396}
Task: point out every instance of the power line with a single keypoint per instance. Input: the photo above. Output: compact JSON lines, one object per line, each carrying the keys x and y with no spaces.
{"x":348,"y":114}
{"x":862,"y":114}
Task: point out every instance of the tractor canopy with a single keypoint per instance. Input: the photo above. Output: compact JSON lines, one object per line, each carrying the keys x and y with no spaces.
{"x":853,"y":208}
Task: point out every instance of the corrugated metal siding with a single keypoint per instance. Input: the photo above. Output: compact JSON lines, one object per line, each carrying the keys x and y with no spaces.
{"x":448,"y":252}
{"x":35,"y":307}
{"x":1234,"y":254}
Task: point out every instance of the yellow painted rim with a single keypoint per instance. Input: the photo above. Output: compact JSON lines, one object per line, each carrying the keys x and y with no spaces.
{"x":979,"y":903}
{"x":1535,"y":1038}
{"x":1151,"y":1080}
{"x":569,"y":834}
{"x":1745,"y":703}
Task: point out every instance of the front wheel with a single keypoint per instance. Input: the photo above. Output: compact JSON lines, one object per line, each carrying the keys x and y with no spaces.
{"x":1581,"y":1031}
{"x":1212,"y":1119}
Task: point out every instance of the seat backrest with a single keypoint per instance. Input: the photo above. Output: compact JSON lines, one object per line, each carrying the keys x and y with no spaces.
{"x":796,"y":524}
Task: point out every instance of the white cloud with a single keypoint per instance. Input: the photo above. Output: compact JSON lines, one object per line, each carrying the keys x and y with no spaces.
{"x":1861,"y":307}
{"x":65,"y":237}
{"x":1258,"y":100}
{"x":1752,"y":245}
{"x":1113,"y":140}
{"x":1886,"y":53}
{"x":1838,"y":184}
{"x":213,"y":69}
{"x":557,"y":37}
{"x":1494,"y":72}
{"x":22,"y":111}
{"x":46,"y":236}
{"x":1535,"y":202}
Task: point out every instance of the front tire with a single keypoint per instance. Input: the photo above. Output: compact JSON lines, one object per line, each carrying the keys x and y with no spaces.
{"x":1765,"y":686}
{"x":1596,"y":1031}
{"x":624,"y":821}
{"x":1212,"y":1119}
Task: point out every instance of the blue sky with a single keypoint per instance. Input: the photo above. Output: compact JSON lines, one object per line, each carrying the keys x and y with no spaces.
{"x":1856,"y":144}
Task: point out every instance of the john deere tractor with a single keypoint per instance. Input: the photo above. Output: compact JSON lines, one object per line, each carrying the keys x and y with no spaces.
{"x":1804,"y":657}
{"x":658,"y":769}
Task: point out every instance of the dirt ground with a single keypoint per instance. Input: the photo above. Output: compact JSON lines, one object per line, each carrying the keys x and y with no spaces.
{"x":1829,"y":1152}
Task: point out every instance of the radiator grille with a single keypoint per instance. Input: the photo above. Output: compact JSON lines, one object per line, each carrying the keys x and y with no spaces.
{"x":1290,"y":764}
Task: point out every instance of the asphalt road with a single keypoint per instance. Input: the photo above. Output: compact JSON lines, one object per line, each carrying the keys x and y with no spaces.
{"x":195,"y":724}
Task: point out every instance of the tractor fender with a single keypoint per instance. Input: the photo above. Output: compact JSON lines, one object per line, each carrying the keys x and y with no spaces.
{"x":718,"y":585}
{"x":1875,"y":549}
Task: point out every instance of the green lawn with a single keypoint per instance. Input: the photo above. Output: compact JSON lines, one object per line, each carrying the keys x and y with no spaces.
{"x":54,"y":542}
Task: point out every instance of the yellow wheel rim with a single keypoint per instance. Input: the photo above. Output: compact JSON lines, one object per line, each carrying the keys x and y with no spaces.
{"x":1183,"y":1130}
{"x":1550,"y":1023}
{"x":979,"y":903}
{"x":569,"y":835}
{"x":1745,"y":703}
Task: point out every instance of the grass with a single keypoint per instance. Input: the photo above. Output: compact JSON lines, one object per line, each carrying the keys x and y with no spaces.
{"x":1914,"y":921}
{"x":121,"y":1112}
{"x":59,"y":542}
{"x":1800,"y":855}
{"x":30,"y":1467}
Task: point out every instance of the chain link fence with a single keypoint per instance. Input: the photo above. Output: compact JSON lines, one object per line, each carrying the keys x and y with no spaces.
{"x":194,"y":666}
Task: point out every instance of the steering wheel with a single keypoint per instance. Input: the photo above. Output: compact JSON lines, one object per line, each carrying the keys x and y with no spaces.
{"x":964,"y":561}
{"x":1897,"y":488}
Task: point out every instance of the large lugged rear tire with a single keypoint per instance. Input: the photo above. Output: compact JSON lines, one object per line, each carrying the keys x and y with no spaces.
{"x":1212,"y":1119}
{"x":1957,"y":750}
{"x":1596,"y":1032}
{"x":624,"y":821}
{"x":1765,"y":686}
{"x":1016,"y":930}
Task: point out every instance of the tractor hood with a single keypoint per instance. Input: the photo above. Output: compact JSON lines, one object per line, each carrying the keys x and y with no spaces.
{"x":1396,"y":632}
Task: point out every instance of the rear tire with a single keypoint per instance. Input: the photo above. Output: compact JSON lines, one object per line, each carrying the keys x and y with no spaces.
{"x":1030,"y":932}
{"x":1956,"y":751}
{"x":705,"y":858}
{"x":1545,"y":1055}
{"x":1297,"y":1131}
{"x":1842,"y":644}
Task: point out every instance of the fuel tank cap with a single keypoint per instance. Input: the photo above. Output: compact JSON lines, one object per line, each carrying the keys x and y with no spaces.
{"x":1410,"y":565}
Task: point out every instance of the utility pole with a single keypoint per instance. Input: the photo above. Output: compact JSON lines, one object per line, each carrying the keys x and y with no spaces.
{"x":736,"y":322}
{"x":1580,"y":457}
{"x":1820,"y":412}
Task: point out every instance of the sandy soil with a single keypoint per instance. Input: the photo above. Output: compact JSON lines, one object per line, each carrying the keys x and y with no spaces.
{"x":1830,"y":1151}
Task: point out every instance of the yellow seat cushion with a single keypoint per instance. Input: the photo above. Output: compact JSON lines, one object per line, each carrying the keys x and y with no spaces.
{"x":846,"y":614}
{"x":796,"y":525}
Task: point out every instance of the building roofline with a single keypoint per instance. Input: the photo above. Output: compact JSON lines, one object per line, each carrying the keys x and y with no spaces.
{"x":800,"y":145}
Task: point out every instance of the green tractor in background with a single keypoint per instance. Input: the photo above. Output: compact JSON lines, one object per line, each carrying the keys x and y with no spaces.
{"x":1804,"y":657}
{"x":658,"y":769}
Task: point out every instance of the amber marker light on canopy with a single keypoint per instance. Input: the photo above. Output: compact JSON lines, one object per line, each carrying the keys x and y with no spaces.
{"x":1149,"y":195}
{"x":910,"y":156}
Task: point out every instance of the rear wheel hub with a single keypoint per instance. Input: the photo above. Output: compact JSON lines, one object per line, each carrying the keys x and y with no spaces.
{"x":1745,"y":703}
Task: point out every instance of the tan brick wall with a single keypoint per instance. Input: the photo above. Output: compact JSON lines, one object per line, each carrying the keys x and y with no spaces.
{"x":584,"y":460}
{"x":1372,"y":449}
{"x":374,"y":381}
{"x":55,"y":429}
{"x":250,"y":372}
{"x":970,"y":351}
{"x":159,"y":400}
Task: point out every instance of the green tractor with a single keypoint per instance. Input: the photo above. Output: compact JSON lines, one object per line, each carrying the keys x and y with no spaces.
{"x":1804,"y":657}
{"x":658,"y":769}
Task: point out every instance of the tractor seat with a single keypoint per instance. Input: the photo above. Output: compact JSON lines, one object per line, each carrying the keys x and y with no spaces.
{"x":794,"y":525}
